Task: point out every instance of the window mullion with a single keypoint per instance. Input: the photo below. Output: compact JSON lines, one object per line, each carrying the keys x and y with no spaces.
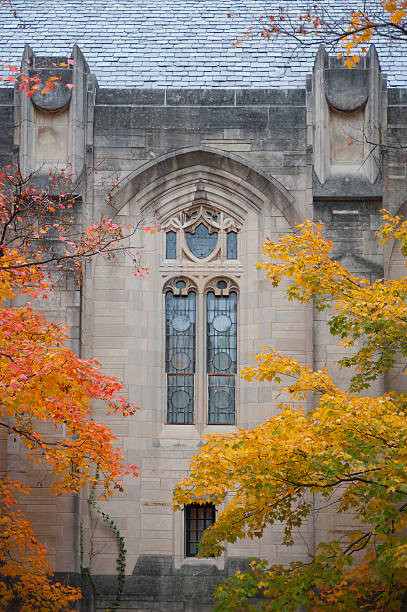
{"x":200,"y":401}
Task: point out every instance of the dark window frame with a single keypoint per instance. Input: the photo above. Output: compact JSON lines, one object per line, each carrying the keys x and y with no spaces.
{"x":194,"y":516}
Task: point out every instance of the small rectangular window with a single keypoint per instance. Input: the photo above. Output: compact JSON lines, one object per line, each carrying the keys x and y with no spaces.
{"x":198,"y":517}
{"x":231,"y":245}
{"x":171,"y":245}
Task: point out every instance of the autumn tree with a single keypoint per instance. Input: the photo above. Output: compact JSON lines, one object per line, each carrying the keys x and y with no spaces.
{"x":348,"y":451}
{"x":345,"y":29}
{"x":41,"y":380}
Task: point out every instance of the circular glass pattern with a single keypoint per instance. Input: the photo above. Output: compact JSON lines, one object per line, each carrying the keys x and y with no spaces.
{"x":222,"y":323}
{"x":221,"y":399}
{"x":180,"y":399}
{"x":221,"y":361}
{"x":180,"y":361}
{"x":181,"y":323}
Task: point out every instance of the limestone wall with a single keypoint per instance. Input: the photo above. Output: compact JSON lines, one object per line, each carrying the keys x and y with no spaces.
{"x":266,"y":159}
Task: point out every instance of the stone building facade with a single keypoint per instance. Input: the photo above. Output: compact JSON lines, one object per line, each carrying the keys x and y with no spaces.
{"x":219,"y":169}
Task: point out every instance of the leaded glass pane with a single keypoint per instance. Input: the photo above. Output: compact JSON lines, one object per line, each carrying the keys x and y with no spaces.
{"x":231,"y":250}
{"x":221,"y":399}
{"x":201,"y":243}
{"x":221,"y":314}
{"x":171,"y":245}
{"x":180,"y":399}
{"x":180,"y":319}
{"x":197,"y":519}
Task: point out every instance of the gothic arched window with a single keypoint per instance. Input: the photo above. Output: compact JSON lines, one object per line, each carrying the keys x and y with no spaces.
{"x":180,"y":318}
{"x":216,"y":383}
{"x":201,"y":382}
{"x":221,"y":353}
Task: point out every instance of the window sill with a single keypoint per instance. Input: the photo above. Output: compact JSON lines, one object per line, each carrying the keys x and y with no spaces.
{"x":182,"y":432}
{"x":218,"y":562}
{"x":209,"y":429}
{"x":199,"y":560}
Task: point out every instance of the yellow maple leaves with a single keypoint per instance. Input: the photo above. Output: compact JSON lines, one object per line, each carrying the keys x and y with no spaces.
{"x":363,"y":26}
{"x":395,"y":9}
{"x":348,"y":452}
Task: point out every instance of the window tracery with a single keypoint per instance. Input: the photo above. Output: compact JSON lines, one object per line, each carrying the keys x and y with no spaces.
{"x":203,"y":234}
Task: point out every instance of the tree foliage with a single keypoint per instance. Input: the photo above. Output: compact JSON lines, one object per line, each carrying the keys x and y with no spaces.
{"x":348,"y":31}
{"x":42,"y":381}
{"x":348,"y":451}
{"x":29,"y":82}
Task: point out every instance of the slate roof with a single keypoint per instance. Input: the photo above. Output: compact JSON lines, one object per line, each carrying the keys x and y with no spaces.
{"x":172,"y":43}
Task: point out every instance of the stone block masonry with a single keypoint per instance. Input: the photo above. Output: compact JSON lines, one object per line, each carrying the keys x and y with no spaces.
{"x":255,"y":160}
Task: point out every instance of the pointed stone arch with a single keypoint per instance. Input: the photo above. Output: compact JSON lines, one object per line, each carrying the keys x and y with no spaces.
{"x":230,"y":179}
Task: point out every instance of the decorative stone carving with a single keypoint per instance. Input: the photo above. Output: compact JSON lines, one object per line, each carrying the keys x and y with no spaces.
{"x":51,"y":127}
{"x":346,"y":117}
{"x":221,"y":286}
{"x":189,"y":219}
{"x":180,"y":285}
{"x":202,"y":230}
{"x":346,"y":90}
{"x":57,"y":98}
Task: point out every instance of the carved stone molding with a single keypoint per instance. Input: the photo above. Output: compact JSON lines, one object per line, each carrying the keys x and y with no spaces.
{"x":216,"y":223}
{"x":180,"y":285}
{"x":54,"y":128}
{"x":191,"y":217}
{"x":221,"y":286}
{"x":347,"y":117}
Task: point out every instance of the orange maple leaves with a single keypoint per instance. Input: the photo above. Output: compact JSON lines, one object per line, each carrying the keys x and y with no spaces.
{"x":43,"y":382}
{"x":30,"y":83}
{"x":23,"y":559}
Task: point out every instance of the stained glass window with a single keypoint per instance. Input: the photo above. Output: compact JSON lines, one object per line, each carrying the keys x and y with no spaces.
{"x":201,"y":243}
{"x":180,"y":317}
{"x":197,"y":518}
{"x":221,"y":317}
{"x":171,"y":245}
{"x":231,"y":246}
